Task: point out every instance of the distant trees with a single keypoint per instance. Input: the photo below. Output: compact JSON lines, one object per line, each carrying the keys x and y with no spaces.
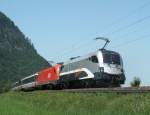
{"x":18,"y":57}
{"x":136,"y":82}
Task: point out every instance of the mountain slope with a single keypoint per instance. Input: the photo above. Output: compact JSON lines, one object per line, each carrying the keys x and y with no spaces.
{"x":18,"y":57}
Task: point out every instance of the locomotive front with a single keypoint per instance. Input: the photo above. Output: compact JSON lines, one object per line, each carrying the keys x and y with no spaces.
{"x":111,"y":67}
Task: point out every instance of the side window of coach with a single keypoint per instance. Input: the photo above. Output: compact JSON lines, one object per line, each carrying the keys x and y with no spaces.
{"x":28,"y":80}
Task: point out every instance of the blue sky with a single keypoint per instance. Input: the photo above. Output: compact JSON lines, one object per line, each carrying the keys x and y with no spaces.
{"x":61,"y":29}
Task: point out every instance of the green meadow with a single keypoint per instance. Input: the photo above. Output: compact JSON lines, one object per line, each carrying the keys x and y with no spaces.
{"x":46,"y":103}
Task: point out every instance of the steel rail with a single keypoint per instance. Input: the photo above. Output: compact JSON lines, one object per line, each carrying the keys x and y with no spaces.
{"x":107,"y":90}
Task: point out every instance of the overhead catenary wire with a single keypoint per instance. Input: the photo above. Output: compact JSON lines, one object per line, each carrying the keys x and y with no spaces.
{"x":67,"y":49}
{"x":129,"y":25}
{"x":131,"y":41}
{"x":128,"y":15}
{"x":125,"y":17}
{"x":59,"y":55}
{"x":89,"y":43}
{"x":131,"y":32}
{"x":113,"y":32}
{"x":71,"y":51}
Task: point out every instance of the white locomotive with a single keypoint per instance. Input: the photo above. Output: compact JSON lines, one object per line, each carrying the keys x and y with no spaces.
{"x":103,"y":68}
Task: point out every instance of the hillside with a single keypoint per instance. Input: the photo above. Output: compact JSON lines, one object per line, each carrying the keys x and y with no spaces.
{"x":18,"y":57}
{"x":46,"y":103}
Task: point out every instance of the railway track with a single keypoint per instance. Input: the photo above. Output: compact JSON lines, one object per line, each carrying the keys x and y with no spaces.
{"x":107,"y":90}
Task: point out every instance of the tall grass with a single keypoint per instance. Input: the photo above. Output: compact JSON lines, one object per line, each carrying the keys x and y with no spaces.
{"x":46,"y":103}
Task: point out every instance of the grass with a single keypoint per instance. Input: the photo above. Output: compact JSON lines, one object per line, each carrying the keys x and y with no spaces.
{"x":45,"y":103}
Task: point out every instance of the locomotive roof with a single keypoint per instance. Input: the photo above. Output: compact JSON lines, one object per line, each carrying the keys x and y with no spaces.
{"x":80,"y":58}
{"x":88,"y":55}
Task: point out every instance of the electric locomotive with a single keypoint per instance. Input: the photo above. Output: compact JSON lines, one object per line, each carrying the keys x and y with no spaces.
{"x":102,"y":68}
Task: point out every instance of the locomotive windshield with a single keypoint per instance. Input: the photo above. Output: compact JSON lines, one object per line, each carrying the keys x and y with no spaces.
{"x":111,"y":58}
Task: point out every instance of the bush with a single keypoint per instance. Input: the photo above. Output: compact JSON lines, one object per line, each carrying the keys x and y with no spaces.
{"x":136,"y":82}
{"x":5,"y":87}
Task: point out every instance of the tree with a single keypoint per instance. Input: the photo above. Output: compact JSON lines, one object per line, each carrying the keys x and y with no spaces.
{"x":136,"y":82}
{"x":18,"y":57}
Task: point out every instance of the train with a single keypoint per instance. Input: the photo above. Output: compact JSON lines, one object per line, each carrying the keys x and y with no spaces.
{"x":102,"y":68}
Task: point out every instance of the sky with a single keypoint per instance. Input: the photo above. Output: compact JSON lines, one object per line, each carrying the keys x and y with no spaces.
{"x":60,"y":29}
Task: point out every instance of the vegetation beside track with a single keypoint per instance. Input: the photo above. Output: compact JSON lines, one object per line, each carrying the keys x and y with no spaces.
{"x":46,"y":103}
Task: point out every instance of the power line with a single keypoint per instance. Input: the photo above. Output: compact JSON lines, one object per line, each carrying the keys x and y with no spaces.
{"x":72,"y":50}
{"x":90,"y":43}
{"x":76,"y":48}
{"x":129,"y":25}
{"x":68,"y":49}
{"x":118,"y":30}
{"x":131,"y":32}
{"x":131,"y":41}
{"x":130,"y":14}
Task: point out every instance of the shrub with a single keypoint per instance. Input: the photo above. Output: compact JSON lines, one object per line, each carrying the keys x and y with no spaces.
{"x":136,"y":82}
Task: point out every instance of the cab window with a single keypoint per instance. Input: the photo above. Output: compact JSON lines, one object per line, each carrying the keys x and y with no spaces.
{"x":94,"y":59}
